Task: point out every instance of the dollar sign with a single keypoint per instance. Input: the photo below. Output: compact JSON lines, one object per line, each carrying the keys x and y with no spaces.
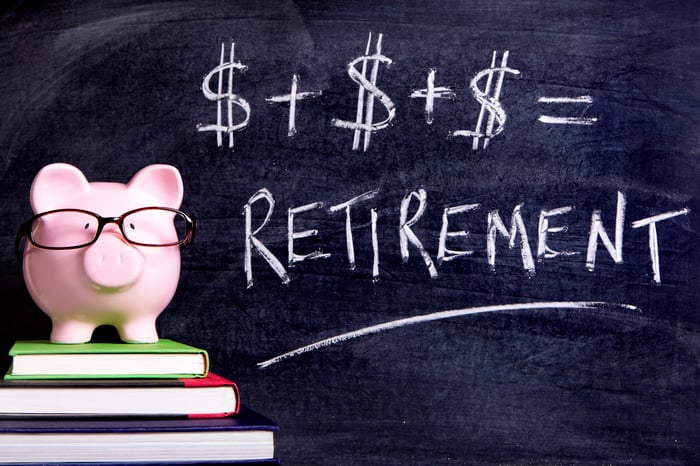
{"x":489,"y":98}
{"x":230,"y":98}
{"x":365,"y":109}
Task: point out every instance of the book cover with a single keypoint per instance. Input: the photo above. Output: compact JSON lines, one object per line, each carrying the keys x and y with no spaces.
{"x":209,"y":396}
{"x":245,"y":437}
{"x":167,"y":358}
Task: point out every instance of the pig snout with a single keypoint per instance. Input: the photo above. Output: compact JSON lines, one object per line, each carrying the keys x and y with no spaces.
{"x":112,"y":263}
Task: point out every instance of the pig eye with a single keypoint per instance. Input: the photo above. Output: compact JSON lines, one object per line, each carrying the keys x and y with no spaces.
{"x":87,"y":225}
{"x":132,"y":226}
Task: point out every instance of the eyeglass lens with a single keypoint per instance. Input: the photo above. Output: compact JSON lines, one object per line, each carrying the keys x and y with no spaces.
{"x":148,"y":227}
{"x":64,"y":229}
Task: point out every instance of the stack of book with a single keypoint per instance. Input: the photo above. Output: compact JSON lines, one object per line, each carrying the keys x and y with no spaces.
{"x":124,"y":403}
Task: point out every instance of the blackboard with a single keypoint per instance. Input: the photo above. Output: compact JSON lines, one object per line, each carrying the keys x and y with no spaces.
{"x":523,"y":210}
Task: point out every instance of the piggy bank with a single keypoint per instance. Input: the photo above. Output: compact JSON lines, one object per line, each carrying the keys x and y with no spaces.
{"x":104,"y":253}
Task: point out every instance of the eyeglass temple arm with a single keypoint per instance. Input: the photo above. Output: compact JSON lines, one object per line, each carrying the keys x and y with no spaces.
{"x":190,"y":234}
{"x":22,"y":231}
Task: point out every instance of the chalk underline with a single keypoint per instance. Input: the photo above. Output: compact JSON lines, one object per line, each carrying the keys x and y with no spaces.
{"x":398,"y":323}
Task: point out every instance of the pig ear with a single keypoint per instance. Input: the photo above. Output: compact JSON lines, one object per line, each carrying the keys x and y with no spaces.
{"x":56,"y":184}
{"x":160,"y":182}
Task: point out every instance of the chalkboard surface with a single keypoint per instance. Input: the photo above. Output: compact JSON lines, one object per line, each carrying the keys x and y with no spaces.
{"x":457,"y":232}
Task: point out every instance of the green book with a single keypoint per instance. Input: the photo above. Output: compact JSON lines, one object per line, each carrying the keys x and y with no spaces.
{"x":39,"y":359}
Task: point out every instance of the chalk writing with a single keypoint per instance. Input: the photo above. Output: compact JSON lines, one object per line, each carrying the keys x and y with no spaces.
{"x":543,"y":249}
{"x":231,"y":99}
{"x":417,"y":202}
{"x":292,"y":98}
{"x":254,"y":244}
{"x":350,"y":244}
{"x":490,"y":101}
{"x":654,"y":239}
{"x":597,"y":230}
{"x":496,"y":225}
{"x":486,"y":87}
{"x":430,"y":93}
{"x":368,"y":89}
{"x":375,"y":246}
{"x":294,"y":258}
{"x":406,"y":233}
{"x":445,"y":254}
{"x":441,"y":315}
{"x":548,"y":119}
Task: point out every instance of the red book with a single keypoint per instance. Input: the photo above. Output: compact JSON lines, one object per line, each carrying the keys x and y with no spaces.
{"x":210,"y":396}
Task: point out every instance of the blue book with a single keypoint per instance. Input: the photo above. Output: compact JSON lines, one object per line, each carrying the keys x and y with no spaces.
{"x":246,"y":438}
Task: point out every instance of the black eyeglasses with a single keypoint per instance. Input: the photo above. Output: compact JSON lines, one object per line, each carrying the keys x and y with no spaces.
{"x":76,"y":228}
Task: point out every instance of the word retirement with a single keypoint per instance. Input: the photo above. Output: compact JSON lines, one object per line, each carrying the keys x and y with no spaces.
{"x":551,"y":222}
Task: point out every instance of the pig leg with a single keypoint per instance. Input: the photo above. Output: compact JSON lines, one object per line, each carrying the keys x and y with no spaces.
{"x":139,"y":330}
{"x":71,"y":331}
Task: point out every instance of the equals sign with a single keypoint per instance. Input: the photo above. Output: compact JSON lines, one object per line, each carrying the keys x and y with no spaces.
{"x":554,"y":120}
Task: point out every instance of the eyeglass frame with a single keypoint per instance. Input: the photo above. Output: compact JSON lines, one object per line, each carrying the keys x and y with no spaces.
{"x":25,"y":229}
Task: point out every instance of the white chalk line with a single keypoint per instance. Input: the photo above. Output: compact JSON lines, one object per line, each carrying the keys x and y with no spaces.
{"x":394,"y":324}
{"x":582,"y":99}
{"x":552,"y":120}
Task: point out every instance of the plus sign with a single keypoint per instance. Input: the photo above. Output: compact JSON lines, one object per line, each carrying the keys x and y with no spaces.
{"x":292,"y":98}
{"x":431,"y":93}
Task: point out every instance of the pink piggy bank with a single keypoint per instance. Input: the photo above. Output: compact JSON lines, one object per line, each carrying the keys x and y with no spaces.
{"x":104,"y":253}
